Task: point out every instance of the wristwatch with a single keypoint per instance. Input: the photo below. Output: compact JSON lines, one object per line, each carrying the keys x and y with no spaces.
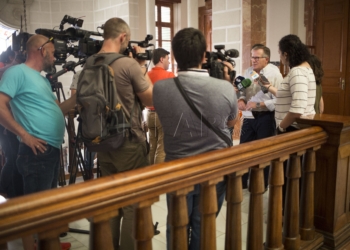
{"x":281,"y":129}
{"x":258,"y":104}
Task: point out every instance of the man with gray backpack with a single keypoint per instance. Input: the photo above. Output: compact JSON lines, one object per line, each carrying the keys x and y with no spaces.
{"x":110,"y":90}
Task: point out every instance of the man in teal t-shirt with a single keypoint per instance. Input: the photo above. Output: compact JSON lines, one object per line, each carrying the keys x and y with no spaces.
{"x":37,"y":118}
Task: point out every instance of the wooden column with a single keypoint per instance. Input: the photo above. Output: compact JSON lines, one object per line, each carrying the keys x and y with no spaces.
{"x":332,"y":180}
{"x":255,"y":218}
{"x":178,"y":219}
{"x":143,"y":230}
{"x":50,"y":239}
{"x":274,"y":211}
{"x":208,"y":208}
{"x":291,"y":237}
{"x":234,"y":197}
{"x":100,"y":230}
{"x":307,"y":229}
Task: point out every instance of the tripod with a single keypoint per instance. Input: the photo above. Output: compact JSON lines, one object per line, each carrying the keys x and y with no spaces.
{"x":77,"y":157}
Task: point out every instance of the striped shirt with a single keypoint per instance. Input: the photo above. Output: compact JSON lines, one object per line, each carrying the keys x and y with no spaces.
{"x":296,"y":94}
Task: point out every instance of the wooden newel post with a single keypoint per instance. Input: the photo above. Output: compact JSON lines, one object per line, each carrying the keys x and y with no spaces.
{"x":332,"y":182}
{"x":208,"y":207}
{"x":307,"y":228}
{"x":274,"y":212}
{"x":178,"y":219}
{"x":255,"y":219}
{"x":100,"y":230}
{"x":50,"y":239}
{"x":234,"y":197}
{"x":143,"y":224}
{"x":291,"y":237}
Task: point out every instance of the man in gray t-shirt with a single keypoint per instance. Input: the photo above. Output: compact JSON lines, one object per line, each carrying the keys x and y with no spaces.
{"x":184,"y":133}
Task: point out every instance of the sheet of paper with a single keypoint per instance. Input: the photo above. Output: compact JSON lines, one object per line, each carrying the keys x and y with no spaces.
{"x":247,"y":114}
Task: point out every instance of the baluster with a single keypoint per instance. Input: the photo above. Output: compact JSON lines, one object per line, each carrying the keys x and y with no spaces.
{"x":255,"y":219}
{"x":291,"y":236}
{"x":274,"y":212}
{"x":208,"y":207}
{"x":234,"y":197}
{"x":307,"y":229}
{"x":49,"y":240}
{"x":100,"y":230}
{"x":178,"y":219}
{"x":143,"y":224}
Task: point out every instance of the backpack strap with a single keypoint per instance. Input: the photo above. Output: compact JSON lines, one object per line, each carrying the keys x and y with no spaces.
{"x":200,"y":116}
{"x":107,"y":58}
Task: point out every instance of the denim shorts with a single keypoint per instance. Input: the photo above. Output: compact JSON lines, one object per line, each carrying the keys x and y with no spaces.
{"x":40,"y":172}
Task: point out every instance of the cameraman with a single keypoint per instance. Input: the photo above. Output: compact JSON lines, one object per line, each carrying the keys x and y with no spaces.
{"x":132,"y":84}
{"x":184,"y":134}
{"x":37,"y":118}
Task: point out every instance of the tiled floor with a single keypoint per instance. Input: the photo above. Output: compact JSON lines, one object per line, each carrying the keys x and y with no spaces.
{"x":159,"y":213}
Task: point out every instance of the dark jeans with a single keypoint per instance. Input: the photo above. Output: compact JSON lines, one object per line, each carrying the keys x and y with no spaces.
{"x":11,"y":182}
{"x":89,"y":163}
{"x":194,"y":216}
{"x":263,"y":126}
{"x":40,"y":172}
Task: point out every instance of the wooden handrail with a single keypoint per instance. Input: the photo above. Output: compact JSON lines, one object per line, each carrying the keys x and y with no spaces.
{"x":53,"y":208}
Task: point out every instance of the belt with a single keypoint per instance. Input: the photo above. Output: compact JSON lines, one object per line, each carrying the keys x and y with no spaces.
{"x":256,"y":114}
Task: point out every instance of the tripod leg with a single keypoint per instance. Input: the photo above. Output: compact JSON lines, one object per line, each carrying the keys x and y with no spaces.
{"x":81,"y":164}
{"x":62,"y":176}
{"x":73,"y":167}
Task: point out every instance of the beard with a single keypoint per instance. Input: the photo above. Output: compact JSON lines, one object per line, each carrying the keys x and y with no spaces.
{"x":123,"y":47}
{"x":48,"y":65}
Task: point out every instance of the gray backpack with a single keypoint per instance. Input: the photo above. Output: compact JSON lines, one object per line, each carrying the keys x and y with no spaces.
{"x":102,"y":121}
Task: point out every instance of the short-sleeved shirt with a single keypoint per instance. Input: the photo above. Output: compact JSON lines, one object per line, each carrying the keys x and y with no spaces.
{"x":159,"y":73}
{"x":129,"y":79}
{"x":184,"y":133}
{"x":296,"y":94}
{"x":272,"y":73}
{"x":33,"y":104}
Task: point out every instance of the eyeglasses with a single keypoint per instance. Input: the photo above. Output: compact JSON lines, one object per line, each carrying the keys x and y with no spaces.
{"x":48,"y":41}
{"x":256,"y":58}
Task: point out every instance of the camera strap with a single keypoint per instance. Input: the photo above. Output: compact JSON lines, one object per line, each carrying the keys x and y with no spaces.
{"x":199,"y":115}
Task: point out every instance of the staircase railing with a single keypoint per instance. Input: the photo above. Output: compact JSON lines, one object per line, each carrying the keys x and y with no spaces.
{"x":48,"y":213}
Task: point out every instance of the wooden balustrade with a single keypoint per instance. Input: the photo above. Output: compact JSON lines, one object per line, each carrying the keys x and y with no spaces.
{"x":49,"y":212}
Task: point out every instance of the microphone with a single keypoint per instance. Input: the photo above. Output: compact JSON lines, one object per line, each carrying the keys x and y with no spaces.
{"x":246,"y":83}
{"x":262,"y":80}
{"x":232,"y":53}
{"x":242,"y":83}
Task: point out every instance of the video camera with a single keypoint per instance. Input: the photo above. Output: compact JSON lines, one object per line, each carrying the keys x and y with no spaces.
{"x":143,"y":44}
{"x":216,"y":67}
{"x":64,"y":39}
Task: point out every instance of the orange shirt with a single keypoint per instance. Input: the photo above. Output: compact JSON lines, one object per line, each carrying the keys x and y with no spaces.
{"x":158,"y":73}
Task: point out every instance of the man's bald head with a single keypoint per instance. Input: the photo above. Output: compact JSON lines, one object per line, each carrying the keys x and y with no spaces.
{"x":35,"y":41}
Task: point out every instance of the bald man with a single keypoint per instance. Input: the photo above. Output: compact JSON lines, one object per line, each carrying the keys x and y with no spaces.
{"x":37,"y":118}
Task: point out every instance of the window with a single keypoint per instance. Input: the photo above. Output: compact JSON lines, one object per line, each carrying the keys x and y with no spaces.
{"x":5,"y":37}
{"x":164,"y":27}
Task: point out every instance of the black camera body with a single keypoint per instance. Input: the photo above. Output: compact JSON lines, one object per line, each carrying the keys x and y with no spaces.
{"x":214,"y":61}
{"x":143,"y":44}
{"x":63,"y":42}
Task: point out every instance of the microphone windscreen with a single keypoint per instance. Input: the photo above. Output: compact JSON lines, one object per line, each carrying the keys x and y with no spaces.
{"x":246,"y":83}
{"x":238,"y":80}
{"x":232,"y":53}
